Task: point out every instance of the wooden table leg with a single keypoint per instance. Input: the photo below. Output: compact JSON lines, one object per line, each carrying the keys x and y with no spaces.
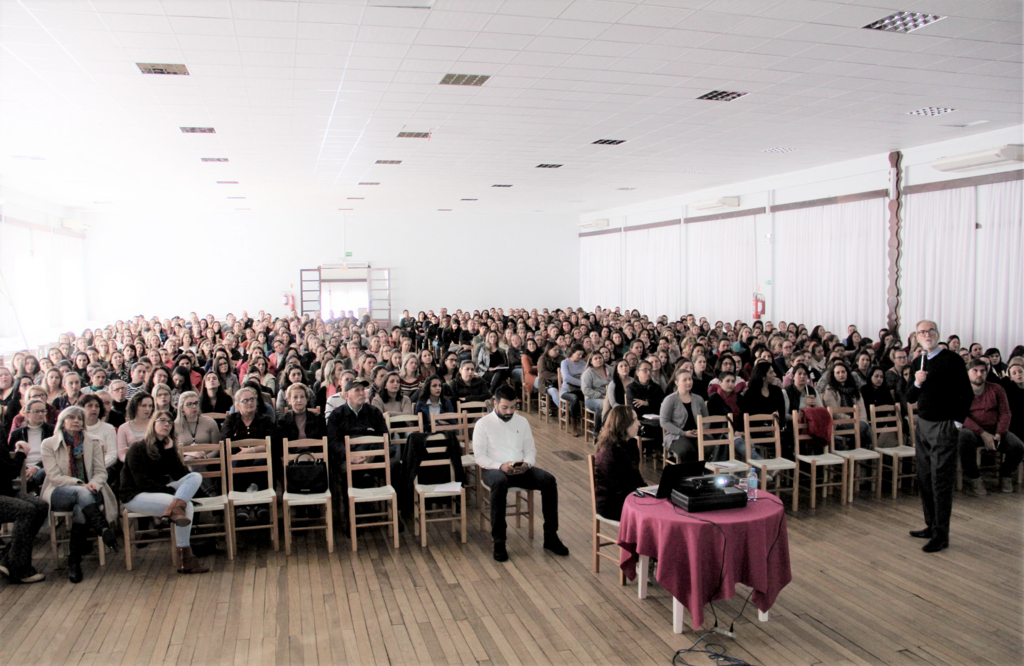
{"x":762,"y":615}
{"x":641,"y":574}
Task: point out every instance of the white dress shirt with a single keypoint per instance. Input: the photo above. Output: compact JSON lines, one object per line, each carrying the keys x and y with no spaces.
{"x":496,"y":442}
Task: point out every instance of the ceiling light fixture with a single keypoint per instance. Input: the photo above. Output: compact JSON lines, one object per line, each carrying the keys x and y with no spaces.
{"x":694,"y":171}
{"x":903,"y":22}
{"x":214,"y":159}
{"x":102,"y":203}
{"x":356,"y":198}
{"x":227,"y":182}
{"x":982,"y":159}
{"x":444,"y":210}
{"x":549,"y":166}
{"x":401,"y":4}
{"x":31,"y":158}
{"x":464,"y":79}
{"x":778,"y":150}
{"x":198,"y":130}
{"x":365,"y":183}
{"x":414,"y":135}
{"x":715,"y":204}
{"x":156,"y":68}
{"x":501,"y":186}
{"x":930,"y":111}
{"x":243,"y":209}
{"x":593,"y":224}
{"x":721,"y":96}
{"x":608,"y":142}
{"x":346,"y":209}
{"x":469,"y":199}
{"x":388,"y":162}
{"x":236,"y":197}
{"x":625,"y":189}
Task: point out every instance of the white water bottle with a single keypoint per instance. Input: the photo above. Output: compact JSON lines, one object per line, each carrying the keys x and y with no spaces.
{"x":752,"y":484}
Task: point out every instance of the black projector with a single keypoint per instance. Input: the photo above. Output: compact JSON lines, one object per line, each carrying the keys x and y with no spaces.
{"x":708,"y":493}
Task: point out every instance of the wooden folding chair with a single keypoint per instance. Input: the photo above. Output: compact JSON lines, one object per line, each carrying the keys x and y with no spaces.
{"x":544,"y":401}
{"x":400,"y":425}
{"x":564,"y":413}
{"x":528,"y":390}
{"x":216,"y":416}
{"x":456,"y":422}
{"x":589,"y":424}
{"x":133,"y":536}
{"x":715,"y":431}
{"x":60,"y":535}
{"x":846,"y":423}
{"x":602,"y":540}
{"x":422,"y":515}
{"x":886,"y":419}
{"x":371,"y":448}
{"x":317,"y":448}
{"x":762,"y":430}
{"x":827,"y":462}
{"x":211,"y":466}
{"x":260,"y":464}
{"x":474,"y":411}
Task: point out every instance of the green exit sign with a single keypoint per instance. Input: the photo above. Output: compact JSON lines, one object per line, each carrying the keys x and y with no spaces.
{"x":348,"y":254}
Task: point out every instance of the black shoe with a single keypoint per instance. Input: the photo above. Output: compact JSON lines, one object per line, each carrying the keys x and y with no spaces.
{"x":74,"y":570}
{"x":555,"y":545}
{"x":261,"y":515}
{"x":938,"y":542}
{"x":926,"y":533}
{"x":500,"y":554}
{"x":109,"y":539}
{"x":242,"y":516}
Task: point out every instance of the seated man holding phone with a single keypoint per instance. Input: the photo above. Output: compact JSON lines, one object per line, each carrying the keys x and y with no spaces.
{"x":505,"y":452}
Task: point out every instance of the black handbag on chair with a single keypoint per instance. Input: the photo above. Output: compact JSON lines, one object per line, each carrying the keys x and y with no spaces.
{"x":306,"y":475}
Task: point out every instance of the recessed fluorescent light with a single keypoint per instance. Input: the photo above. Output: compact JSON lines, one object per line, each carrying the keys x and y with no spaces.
{"x":346,"y":209}
{"x":469,"y":200}
{"x":694,"y":171}
{"x":355,"y":198}
{"x":214,"y":159}
{"x":721,"y":96}
{"x":243,"y":209}
{"x":227,"y":182}
{"x":32,"y":158}
{"x":444,"y":210}
{"x":198,"y":130}
{"x":626,"y":189}
{"x":464,"y":79}
{"x":236,"y":197}
{"x":388,"y":162}
{"x":365,"y":183}
{"x":778,"y":150}
{"x":101,"y":203}
{"x":903,"y":22}
{"x":548,"y":166}
{"x":401,"y":4}
{"x":609,"y":142}
{"x":976,"y":122}
{"x":157,"y":68}
{"x":930,"y":111}
{"x":414,"y":135}
{"x":501,"y":186}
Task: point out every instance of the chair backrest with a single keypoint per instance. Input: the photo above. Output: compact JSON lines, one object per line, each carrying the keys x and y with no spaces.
{"x":912,"y":420}
{"x":762,"y":429}
{"x":591,"y":462}
{"x":399,"y":424}
{"x":559,"y":381}
{"x":212,"y":463}
{"x":440,"y":443}
{"x":474,"y":411}
{"x":260,"y":460}
{"x":800,"y":433}
{"x":451,"y":422}
{"x":845,"y":423}
{"x":886,"y":419}
{"x":297,"y":447}
{"x":216,"y":416}
{"x":376,"y":454}
{"x":709,"y":433}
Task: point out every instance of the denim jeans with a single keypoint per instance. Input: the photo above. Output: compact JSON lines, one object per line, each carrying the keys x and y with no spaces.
{"x":517,"y":375}
{"x":74,"y":499}
{"x":154,"y":504}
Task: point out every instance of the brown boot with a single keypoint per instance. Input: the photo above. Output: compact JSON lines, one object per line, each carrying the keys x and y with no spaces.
{"x":189,"y":563}
{"x":176,"y":513}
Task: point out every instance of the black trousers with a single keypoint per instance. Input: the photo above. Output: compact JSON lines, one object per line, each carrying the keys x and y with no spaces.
{"x":532,"y":479}
{"x":937,"y":447}
{"x":1009,"y":445}
{"x":28,"y":513}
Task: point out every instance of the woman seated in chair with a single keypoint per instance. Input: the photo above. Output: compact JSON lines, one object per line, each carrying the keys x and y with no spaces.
{"x":410,"y":379}
{"x":76,"y":481}
{"x":214,"y":397}
{"x":842,"y":391}
{"x":298,"y":421}
{"x":247,"y":423}
{"x":679,"y":418}
{"x":26,"y":512}
{"x":155,"y":482}
{"x":390,"y":399}
{"x":432,"y":401}
{"x":645,"y":396}
{"x":617,"y":466}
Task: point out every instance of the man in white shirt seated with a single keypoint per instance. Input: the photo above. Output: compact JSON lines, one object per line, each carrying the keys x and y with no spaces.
{"x":505,"y":452}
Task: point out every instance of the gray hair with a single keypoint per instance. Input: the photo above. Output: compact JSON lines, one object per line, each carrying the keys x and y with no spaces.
{"x":73,"y":410}
{"x":239,"y":392}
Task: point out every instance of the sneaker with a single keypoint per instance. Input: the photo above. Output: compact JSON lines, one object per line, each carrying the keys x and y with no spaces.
{"x":242,"y":516}
{"x":500,"y":554}
{"x":1007,"y":485}
{"x":555,"y":545}
{"x":978,"y":487}
{"x":34,"y":578}
{"x":262,"y":514}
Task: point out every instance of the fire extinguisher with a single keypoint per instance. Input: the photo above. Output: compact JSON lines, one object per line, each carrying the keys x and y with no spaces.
{"x":288,"y":300}
{"x":758,"y":305}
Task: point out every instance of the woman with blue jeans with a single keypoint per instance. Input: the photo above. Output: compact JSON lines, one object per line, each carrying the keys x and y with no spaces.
{"x":155,"y":482}
{"x":76,"y":481}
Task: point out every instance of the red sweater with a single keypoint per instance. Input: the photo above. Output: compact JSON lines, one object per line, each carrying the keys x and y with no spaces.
{"x":990,"y":411}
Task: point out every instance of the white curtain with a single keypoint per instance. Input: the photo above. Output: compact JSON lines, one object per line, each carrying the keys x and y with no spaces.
{"x":653,"y":283}
{"x":721,"y":268}
{"x":938,"y":261}
{"x":830,"y":266}
{"x":999,"y":282}
{"x":601,"y":271}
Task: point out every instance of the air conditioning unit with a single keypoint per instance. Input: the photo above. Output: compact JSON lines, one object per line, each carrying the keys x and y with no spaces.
{"x":594,"y":224}
{"x":77,"y":225}
{"x":715,"y":204}
{"x":982,"y":159}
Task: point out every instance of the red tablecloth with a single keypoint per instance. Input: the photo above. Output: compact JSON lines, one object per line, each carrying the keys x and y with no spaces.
{"x":690,"y":551}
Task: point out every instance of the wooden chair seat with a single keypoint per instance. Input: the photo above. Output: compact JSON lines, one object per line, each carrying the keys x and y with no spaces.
{"x":375,"y":453}
{"x":898,"y":451}
{"x":826,"y":461}
{"x":727,"y":467}
{"x":515,"y":509}
{"x":859,"y":454}
{"x":773,"y":464}
{"x":57,"y":540}
{"x":259,"y":497}
{"x":436,"y":450}
{"x":292,"y":451}
{"x":888,"y":420}
{"x":203,"y":504}
{"x":303,"y":499}
{"x":379,"y":493}
{"x":602,"y":540}
{"x":821,"y":459}
{"x":252,"y":463}
{"x":208,"y":460}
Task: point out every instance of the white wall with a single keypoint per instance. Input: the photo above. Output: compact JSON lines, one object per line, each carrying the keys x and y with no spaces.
{"x":169,"y":264}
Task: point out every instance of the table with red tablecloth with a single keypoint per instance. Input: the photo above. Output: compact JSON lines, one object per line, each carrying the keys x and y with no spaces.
{"x":690,"y":548}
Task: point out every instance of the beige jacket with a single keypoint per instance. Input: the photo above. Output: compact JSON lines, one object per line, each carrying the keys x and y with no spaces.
{"x":55,"y":462}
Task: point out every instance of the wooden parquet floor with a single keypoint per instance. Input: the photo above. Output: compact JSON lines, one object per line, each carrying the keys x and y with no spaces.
{"x":862,"y":593}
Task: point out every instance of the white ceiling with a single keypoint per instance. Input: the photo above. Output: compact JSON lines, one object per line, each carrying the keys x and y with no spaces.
{"x":306,"y":96}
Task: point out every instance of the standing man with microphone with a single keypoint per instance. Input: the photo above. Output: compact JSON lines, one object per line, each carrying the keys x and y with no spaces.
{"x":943,"y":395}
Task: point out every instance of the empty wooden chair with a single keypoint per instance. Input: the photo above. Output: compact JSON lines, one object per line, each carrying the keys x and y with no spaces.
{"x":603,"y":540}
{"x":254,"y":463}
{"x":133,"y":536}
{"x":456,"y":513}
{"x":846,"y":423}
{"x":294,"y":497}
{"x":209,"y":461}
{"x":589,"y":424}
{"x":456,"y":422}
{"x":833,"y":467}
{"x":374,"y":453}
{"x":521,"y":504}
{"x":400,"y":425}
{"x":713,"y":432}
{"x":474,"y":411}
{"x":762,"y":431}
{"x":886,"y":419}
